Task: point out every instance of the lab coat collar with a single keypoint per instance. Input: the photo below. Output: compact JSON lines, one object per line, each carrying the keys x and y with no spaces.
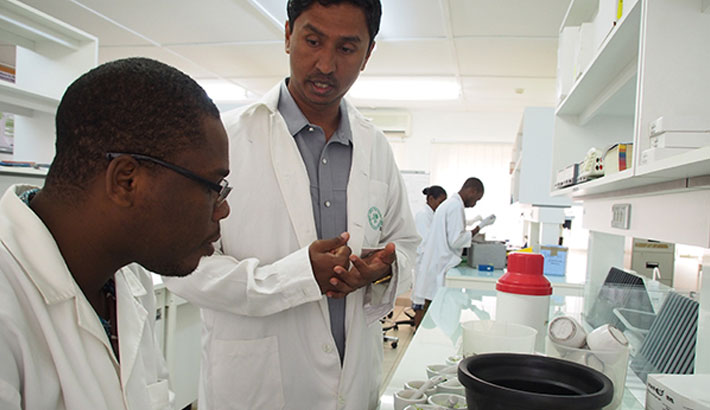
{"x":294,"y":181}
{"x":270,"y":101}
{"x":32,"y":245}
{"x":132,"y":318}
{"x":29,"y":241}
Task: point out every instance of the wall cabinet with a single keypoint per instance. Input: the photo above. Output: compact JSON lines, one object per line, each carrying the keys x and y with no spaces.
{"x":651,"y":64}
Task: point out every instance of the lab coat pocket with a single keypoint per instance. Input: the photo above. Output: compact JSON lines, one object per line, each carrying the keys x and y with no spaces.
{"x":159,"y":394}
{"x":247,"y":374}
{"x":377,"y":200}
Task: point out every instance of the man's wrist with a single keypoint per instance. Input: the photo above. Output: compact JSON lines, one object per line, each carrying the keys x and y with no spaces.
{"x":384,"y":278}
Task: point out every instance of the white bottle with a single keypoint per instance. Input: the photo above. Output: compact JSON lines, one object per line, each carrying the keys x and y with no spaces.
{"x":523,"y":294}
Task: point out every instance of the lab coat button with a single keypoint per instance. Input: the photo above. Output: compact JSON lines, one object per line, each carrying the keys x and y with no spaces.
{"x":327,"y":204}
{"x":310,"y":129}
{"x":341,"y":400}
{"x":327,"y":348}
{"x":325,"y":161}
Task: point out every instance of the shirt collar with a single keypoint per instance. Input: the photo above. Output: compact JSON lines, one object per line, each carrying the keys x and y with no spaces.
{"x":296,"y":121}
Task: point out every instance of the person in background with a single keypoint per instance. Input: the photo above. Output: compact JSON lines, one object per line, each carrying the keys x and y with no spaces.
{"x":137,"y":179}
{"x":435,"y":195}
{"x":443,"y":246}
{"x":309,"y":166}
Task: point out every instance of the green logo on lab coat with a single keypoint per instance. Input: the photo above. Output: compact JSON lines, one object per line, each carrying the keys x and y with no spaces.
{"x":375,"y":217}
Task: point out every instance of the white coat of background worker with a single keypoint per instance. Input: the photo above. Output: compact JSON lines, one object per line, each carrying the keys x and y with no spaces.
{"x":313,"y":167}
{"x":443,"y":246}
{"x":435,"y":195}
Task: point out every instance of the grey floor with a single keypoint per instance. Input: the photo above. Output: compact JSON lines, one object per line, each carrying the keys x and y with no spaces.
{"x":404,"y":334}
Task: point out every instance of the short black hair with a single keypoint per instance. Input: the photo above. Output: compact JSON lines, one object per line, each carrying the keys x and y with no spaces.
{"x":473,"y":183}
{"x":371,"y":8}
{"x":134,"y":105}
{"x":434,"y":191}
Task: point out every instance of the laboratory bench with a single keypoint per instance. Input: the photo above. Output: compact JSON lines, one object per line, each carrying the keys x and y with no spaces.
{"x":439,"y":335}
{"x":464,"y":276}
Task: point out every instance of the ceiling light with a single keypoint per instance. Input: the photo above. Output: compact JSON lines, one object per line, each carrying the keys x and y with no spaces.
{"x":223,"y":91}
{"x":405,"y":89}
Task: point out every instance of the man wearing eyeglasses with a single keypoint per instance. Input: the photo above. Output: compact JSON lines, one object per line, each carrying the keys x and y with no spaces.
{"x":307,"y":165}
{"x":138,"y":179}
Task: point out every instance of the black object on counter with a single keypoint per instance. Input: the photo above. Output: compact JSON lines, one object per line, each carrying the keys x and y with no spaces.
{"x":511,"y":381}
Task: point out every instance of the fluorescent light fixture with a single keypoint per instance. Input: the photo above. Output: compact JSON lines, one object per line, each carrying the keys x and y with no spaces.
{"x":223,"y":91}
{"x":405,"y":89}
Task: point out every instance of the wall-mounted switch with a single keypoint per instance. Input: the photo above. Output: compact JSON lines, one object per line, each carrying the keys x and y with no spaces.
{"x":621,"y":216}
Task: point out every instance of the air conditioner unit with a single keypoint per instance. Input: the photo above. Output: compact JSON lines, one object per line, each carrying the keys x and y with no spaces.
{"x":394,"y":123}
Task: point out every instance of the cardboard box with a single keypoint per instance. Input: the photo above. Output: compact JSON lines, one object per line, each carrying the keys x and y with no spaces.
{"x":585,"y":50}
{"x":618,"y":158}
{"x":681,"y":139}
{"x":555,"y":260}
{"x":678,"y":392}
{"x":566,"y":47}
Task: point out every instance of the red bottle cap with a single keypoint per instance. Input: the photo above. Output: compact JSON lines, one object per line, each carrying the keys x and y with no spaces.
{"x":524,"y":275}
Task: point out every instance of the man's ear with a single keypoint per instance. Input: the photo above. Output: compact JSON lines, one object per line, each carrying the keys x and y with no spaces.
{"x":120,"y":178}
{"x":367,"y":56}
{"x":287,"y":44}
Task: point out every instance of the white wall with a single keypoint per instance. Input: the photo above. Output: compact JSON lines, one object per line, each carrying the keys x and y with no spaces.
{"x":413,"y":152}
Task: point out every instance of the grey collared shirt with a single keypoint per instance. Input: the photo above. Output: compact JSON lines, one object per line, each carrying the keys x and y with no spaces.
{"x":328,"y":166}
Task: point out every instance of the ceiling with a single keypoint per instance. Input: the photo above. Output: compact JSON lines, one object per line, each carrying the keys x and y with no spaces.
{"x":501,"y":52}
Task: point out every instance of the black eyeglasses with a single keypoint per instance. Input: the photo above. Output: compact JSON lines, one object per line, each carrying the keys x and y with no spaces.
{"x":222,"y":188}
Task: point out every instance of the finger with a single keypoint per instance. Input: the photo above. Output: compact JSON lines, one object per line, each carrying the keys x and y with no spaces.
{"x":387,"y":255}
{"x":339,"y":286}
{"x":358,"y":263}
{"x":326,"y":245}
{"x":341,"y":255}
{"x":350,"y":277}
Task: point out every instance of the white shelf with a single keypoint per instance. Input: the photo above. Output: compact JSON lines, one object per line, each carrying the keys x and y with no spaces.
{"x":611,"y":71}
{"x":607,"y":183}
{"x":15,"y":100}
{"x":27,"y":171}
{"x":49,"y":55}
{"x":687,"y":165}
{"x":27,"y":27}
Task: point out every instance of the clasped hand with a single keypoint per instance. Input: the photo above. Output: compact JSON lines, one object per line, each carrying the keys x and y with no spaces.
{"x":331,"y":262}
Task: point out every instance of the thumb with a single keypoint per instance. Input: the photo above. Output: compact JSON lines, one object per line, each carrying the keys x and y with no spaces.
{"x":326,"y":245}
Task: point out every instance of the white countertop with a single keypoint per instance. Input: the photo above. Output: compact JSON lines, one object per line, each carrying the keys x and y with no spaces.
{"x":464,"y":276}
{"x":438,"y":337}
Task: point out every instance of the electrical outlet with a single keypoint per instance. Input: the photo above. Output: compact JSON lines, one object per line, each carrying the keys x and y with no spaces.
{"x":620,"y":216}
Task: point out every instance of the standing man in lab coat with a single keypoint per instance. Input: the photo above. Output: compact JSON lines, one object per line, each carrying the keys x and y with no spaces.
{"x":138,"y":178}
{"x":308,"y":166}
{"x":435,"y":195}
{"x":443,"y":247}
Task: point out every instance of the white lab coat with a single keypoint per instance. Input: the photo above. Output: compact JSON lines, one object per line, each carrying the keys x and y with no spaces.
{"x":267,"y":342}
{"x":442,"y":248}
{"x":54,"y":352}
{"x":422,"y":220}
